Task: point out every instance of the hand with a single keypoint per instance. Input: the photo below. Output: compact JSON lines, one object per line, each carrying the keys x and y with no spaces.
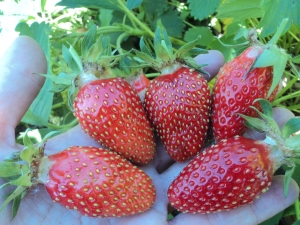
{"x":18,"y":88}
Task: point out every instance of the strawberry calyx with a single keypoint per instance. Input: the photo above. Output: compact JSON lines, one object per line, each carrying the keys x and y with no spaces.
{"x":284,"y":143}
{"x":20,"y":169}
{"x":95,"y":61}
{"x":164,"y":59}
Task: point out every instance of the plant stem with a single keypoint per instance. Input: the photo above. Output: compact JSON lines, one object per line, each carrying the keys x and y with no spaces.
{"x":297,"y":209}
{"x":135,"y":19}
{"x":119,"y":41}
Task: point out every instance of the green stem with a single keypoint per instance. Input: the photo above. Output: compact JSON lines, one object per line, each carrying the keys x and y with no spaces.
{"x":58,"y":105}
{"x":297,"y":209}
{"x":135,"y":19}
{"x":294,"y":36}
{"x":152,"y":75}
{"x":279,"y":31}
{"x":119,"y":42}
{"x":63,"y":127}
{"x":286,"y":97}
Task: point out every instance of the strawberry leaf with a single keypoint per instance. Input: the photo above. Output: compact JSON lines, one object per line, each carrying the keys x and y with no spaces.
{"x":194,"y":32}
{"x":70,"y":60}
{"x":16,"y":205}
{"x":76,"y":57}
{"x":10,"y":169}
{"x":131,"y":4}
{"x":291,"y":127}
{"x":240,"y":10}
{"x":201,"y":9}
{"x":87,"y":42}
{"x":14,"y":157}
{"x":266,"y":107}
{"x":271,"y":18}
{"x":254,"y":123}
{"x":293,"y":142}
{"x":18,"y":191}
{"x":287,"y":179}
{"x":144,"y":48}
{"x":186,"y":48}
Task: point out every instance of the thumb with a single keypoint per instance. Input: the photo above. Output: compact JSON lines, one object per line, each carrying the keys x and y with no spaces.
{"x":18,"y":85}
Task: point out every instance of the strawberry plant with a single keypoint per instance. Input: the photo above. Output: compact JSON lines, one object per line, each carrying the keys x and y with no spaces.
{"x":90,"y":36}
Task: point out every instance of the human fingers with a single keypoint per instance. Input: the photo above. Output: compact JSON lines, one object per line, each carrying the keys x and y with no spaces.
{"x":18,"y":85}
{"x":214,"y":60}
{"x":269,"y":204}
{"x":280,"y":114}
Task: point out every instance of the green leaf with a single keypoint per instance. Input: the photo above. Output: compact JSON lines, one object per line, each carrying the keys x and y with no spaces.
{"x":204,"y":32}
{"x":171,"y":21}
{"x":144,"y":48}
{"x":271,"y":18}
{"x":18,"y":191}
{"x":275,"y":57}
{"x":131,"y":4}
{"x":296,"y":59}
{"x":40,"y":109}
{"x":87,"y":42}
{"x":254,"y":123}
{"x":16,"y":205}
{"x":293,"y":142}
{"x":266,"y":107}
{"x":10,"y":169}
{"x":274,"y":220}
{"x":287,"y":179}
{"x":105,"y":17}
{"x":76,"y":57}
{"x":106,"y":4}
{"x":290,"y":127}
{"x":70,"y":60}
{"x":14,"y":157}
{"x":186,"y":48}
{"x":144,"y":57}
{"x":43,"y":3}
{"x":240,"y":10}
{"x":201,"y":9}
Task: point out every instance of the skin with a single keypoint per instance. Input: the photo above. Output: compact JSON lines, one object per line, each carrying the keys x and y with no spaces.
{"x":18,"y":88}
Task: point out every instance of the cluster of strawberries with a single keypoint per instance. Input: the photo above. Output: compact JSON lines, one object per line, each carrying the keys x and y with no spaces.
{"x":179,"y":107}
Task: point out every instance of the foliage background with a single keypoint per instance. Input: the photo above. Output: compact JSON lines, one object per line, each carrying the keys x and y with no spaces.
{"x":57,"y":23}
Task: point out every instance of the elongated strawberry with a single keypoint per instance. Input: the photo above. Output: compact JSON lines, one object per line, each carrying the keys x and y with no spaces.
{"x":107,"y":108}
{"x":236,"y":170}
{"x":254,"y":74}
{"x":94,"y":181}
{"x":177,"y":102}
{"x":111,"y":112}
{"x":237,"y":85}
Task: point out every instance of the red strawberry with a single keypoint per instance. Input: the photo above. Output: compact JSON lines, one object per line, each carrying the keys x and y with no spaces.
{"x":253,"y":74}
{"x":177,"y":102}
{"x":140,"y":83}
{"x":224,"y":176}
{"x":237,"y":85}
{"x":178,"y":106}
{"x":107,"y":107}
{"x":94,"y":181}
{"x":110,"y":111}
{"x":236,"y":170}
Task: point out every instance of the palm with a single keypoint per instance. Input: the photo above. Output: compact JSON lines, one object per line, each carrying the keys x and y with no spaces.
{"x":38,"y":208}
